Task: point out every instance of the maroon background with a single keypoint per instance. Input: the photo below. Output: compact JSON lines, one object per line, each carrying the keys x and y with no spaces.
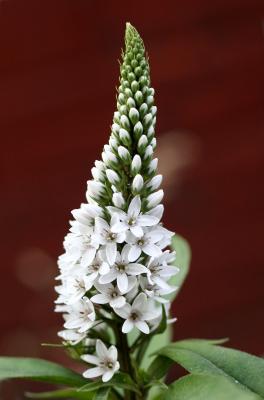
{"x":58,"y":72}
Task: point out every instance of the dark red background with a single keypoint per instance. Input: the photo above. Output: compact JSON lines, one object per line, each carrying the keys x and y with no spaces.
{"x":58,"y":71}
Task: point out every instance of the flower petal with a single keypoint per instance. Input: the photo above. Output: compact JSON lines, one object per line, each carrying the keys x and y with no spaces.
{"x":124,"y":312}
{"x":127,"y":326}
{"x":137,"y":230}
{"x":108,"y":375}
{"x":147,"y":220}
{"x":136,"y":269}
{"x":100,"y":299}
{"x":134,"y":207}
{"x":93,"y":372}
{"x":118,"y":302}
{"x":110,"y":277}
{"x":152,"y":250}
{"x":142,"y":326}
{"x":101,"y":350}
{"x":122,"y":282}
{"x":134,"y":253}
{"x":111,"y":252}
{"x":91,"y":359}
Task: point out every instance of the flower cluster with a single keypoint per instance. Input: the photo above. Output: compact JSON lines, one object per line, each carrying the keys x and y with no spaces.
{"x":115,"y":263}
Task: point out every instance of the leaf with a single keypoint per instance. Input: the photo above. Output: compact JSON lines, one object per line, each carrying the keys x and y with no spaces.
{"x":182,"y":261}
{"x":203,"y":357}
{"x":61,"y":394}
{"x":38,"y":370}
{"x":120,"y":380}
{"x":201,"y":387}
{"x":102,"y":394}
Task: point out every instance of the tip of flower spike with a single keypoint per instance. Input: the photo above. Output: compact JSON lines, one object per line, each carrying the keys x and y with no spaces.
{"x":132,"y":35}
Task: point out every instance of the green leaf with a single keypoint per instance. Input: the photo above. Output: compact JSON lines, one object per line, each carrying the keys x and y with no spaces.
{"x":120,"y":380}
{"x":203,"y":357}
{"x":201,"y":387}
{"x":61,"y":394}
{"x":38,"y":370}
{"x":102,"y":394}
{"x":182,"y":261}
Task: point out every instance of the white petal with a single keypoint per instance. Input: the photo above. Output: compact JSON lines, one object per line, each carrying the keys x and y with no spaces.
{"x":122,"y":282}
{"x":118,"y":302}
{"x":137,"y":230}
{"x":88,"y":256}
{"x":93,"y":372}
{"x":157,"y":211}
{"x":140,"y":302}
{"x":124,"y":312}
{"x":89,"y":358}
{"x":110,"y":277}
{"x":134,"y":253}
{"x":152,"y":250}
{"x":111,"y":252}
{"x":112,"y":353}
{"x":127,"y":326}
{"x":108,"y":375}
{"x":119,"y":227}
{"x":154,"y":235}
{"x":100,"y":225}
{"x":136,"y":269}
{"x":134,"y":207}
{"x":147,"y":220}
{"x":142,"y":326}
{"x":104,"y":269}
{"x":100,"y":299}
{"x":101,"y":350}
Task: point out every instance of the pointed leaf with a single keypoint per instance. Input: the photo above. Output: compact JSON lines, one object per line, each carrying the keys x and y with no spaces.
{"x":38,"y":370}
{"x":61,"y":394}
{"x":102,"y":394}
{"x":201,"y":387}
{"x":202,"y":357}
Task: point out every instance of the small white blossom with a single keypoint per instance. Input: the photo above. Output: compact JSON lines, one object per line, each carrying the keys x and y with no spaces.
{"x":106,"y":236}
{"x":105,"y":361}
{"x":110,"y":294}
{"x":81,"y":316}
{"x":133,"y":220}
{"x":122,"y":269}
{"x":137,"y":314}
{"x":146,"y":243}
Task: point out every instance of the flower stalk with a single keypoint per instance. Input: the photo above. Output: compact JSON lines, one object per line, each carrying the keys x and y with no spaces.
{"x":116,"y":269}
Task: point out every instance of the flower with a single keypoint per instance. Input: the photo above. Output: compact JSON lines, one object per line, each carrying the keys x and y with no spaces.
{"x":137,"y":314}
{"x":122,"y":269}
{"x":105,"y":361}
{"x":106,"y":236}
{"x":133,"y":220}
{"x":159,"y":271}
{"x":146,"y":243}
{"x":111,"y":294}
{"x":81,"y":316}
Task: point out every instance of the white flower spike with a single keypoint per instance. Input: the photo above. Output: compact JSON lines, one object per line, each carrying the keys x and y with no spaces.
{"x":115,"y":272}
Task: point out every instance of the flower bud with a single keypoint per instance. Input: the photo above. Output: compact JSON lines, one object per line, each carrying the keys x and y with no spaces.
{"x":134,"y":86}
{"x":150,"y":132}
{"x":154,"y":183}
{"x":113,"y":142}
{"x":125,"y":122}
{"x":112,"y":176}
{"x":124,"y":154}
{"x":136,"y":164}
{"x":123,"y":109}
{"x":97,"y":174}
{"x":153,"y":143}
{"x":99,"y":165}
{"x":148,"y":152}
{"x":121,"y":98}
{"x":138,"y":130}
{"x":147,"y":121}
{"x":150,"y":101}
{"x":109,"y":158}
{"x":125,"y":137}
{"x":137,"y":184}
{"x":143,"y":109}
{"x":95,"y":189}
{"x":157,"y":211}
{"x":130,"y":103}
{"x":153,"y":166}
{"x":133,"y":115}
{"x":142,"y":143}
{"x":118,"y":200}
{"x":117,"y":117}
{"x":153,"y":111}
{"x":115,"y":128}
{"x":155,"y":198}
{"x":139,"y":97}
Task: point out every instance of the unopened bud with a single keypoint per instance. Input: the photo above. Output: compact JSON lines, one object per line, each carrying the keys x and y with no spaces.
{"x":124,"y":154}
{"x":125,"y":122}
{"x":153,"y":166}
{"x":136,"y":164}
{"x":118,"y":200}
{"x":112,"y":176}
{"x":95,"y":189}
{"x":142,"y":143}
{"x":138,"y":130}
{"x":133,"y":115}
{"x":155,"y":198}
{"x":148,"y":152}
{"x":154,"y":183}
{"x":137,"y":184}
{"x":125,"y":137}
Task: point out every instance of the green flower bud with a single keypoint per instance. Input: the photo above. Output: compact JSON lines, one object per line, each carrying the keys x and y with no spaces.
{"x":133,"y":115}
{"x":138,"y":130}
{"x":124,"y":121}
{"x":134,"y":86}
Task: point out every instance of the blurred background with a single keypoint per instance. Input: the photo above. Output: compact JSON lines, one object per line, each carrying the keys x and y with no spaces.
{"x":58,"y":71}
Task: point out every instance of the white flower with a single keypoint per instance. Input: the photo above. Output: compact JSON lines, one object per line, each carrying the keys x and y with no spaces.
{"x":74,"y":288}
{"x":87,"y":213}
{"x":95,"y":190}
{"x":81,"y":316}
{"x":154,"y":291}
{"x":81,"y":245}
{"x":72,"y":336}
{"x":146,"y":243}
{"x":99,"y":266}
{"x":110,"y":294}
{"x":106,"y":236}
{"x":133,"y":220}
{"x":121,"y":269}
{"x":105,"y":361}
{"x":160,"y":271}
{"x":137,"y":314}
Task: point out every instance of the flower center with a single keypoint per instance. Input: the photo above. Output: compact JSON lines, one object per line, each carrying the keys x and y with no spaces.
{"x":121,"y":267}
{"x":111,"y":236}
{"x":114,"y":294}
{"x":134,"y":316}
{"x":141,"y":242}
{"x":110,"y":365}
{"x":131,"y":221}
